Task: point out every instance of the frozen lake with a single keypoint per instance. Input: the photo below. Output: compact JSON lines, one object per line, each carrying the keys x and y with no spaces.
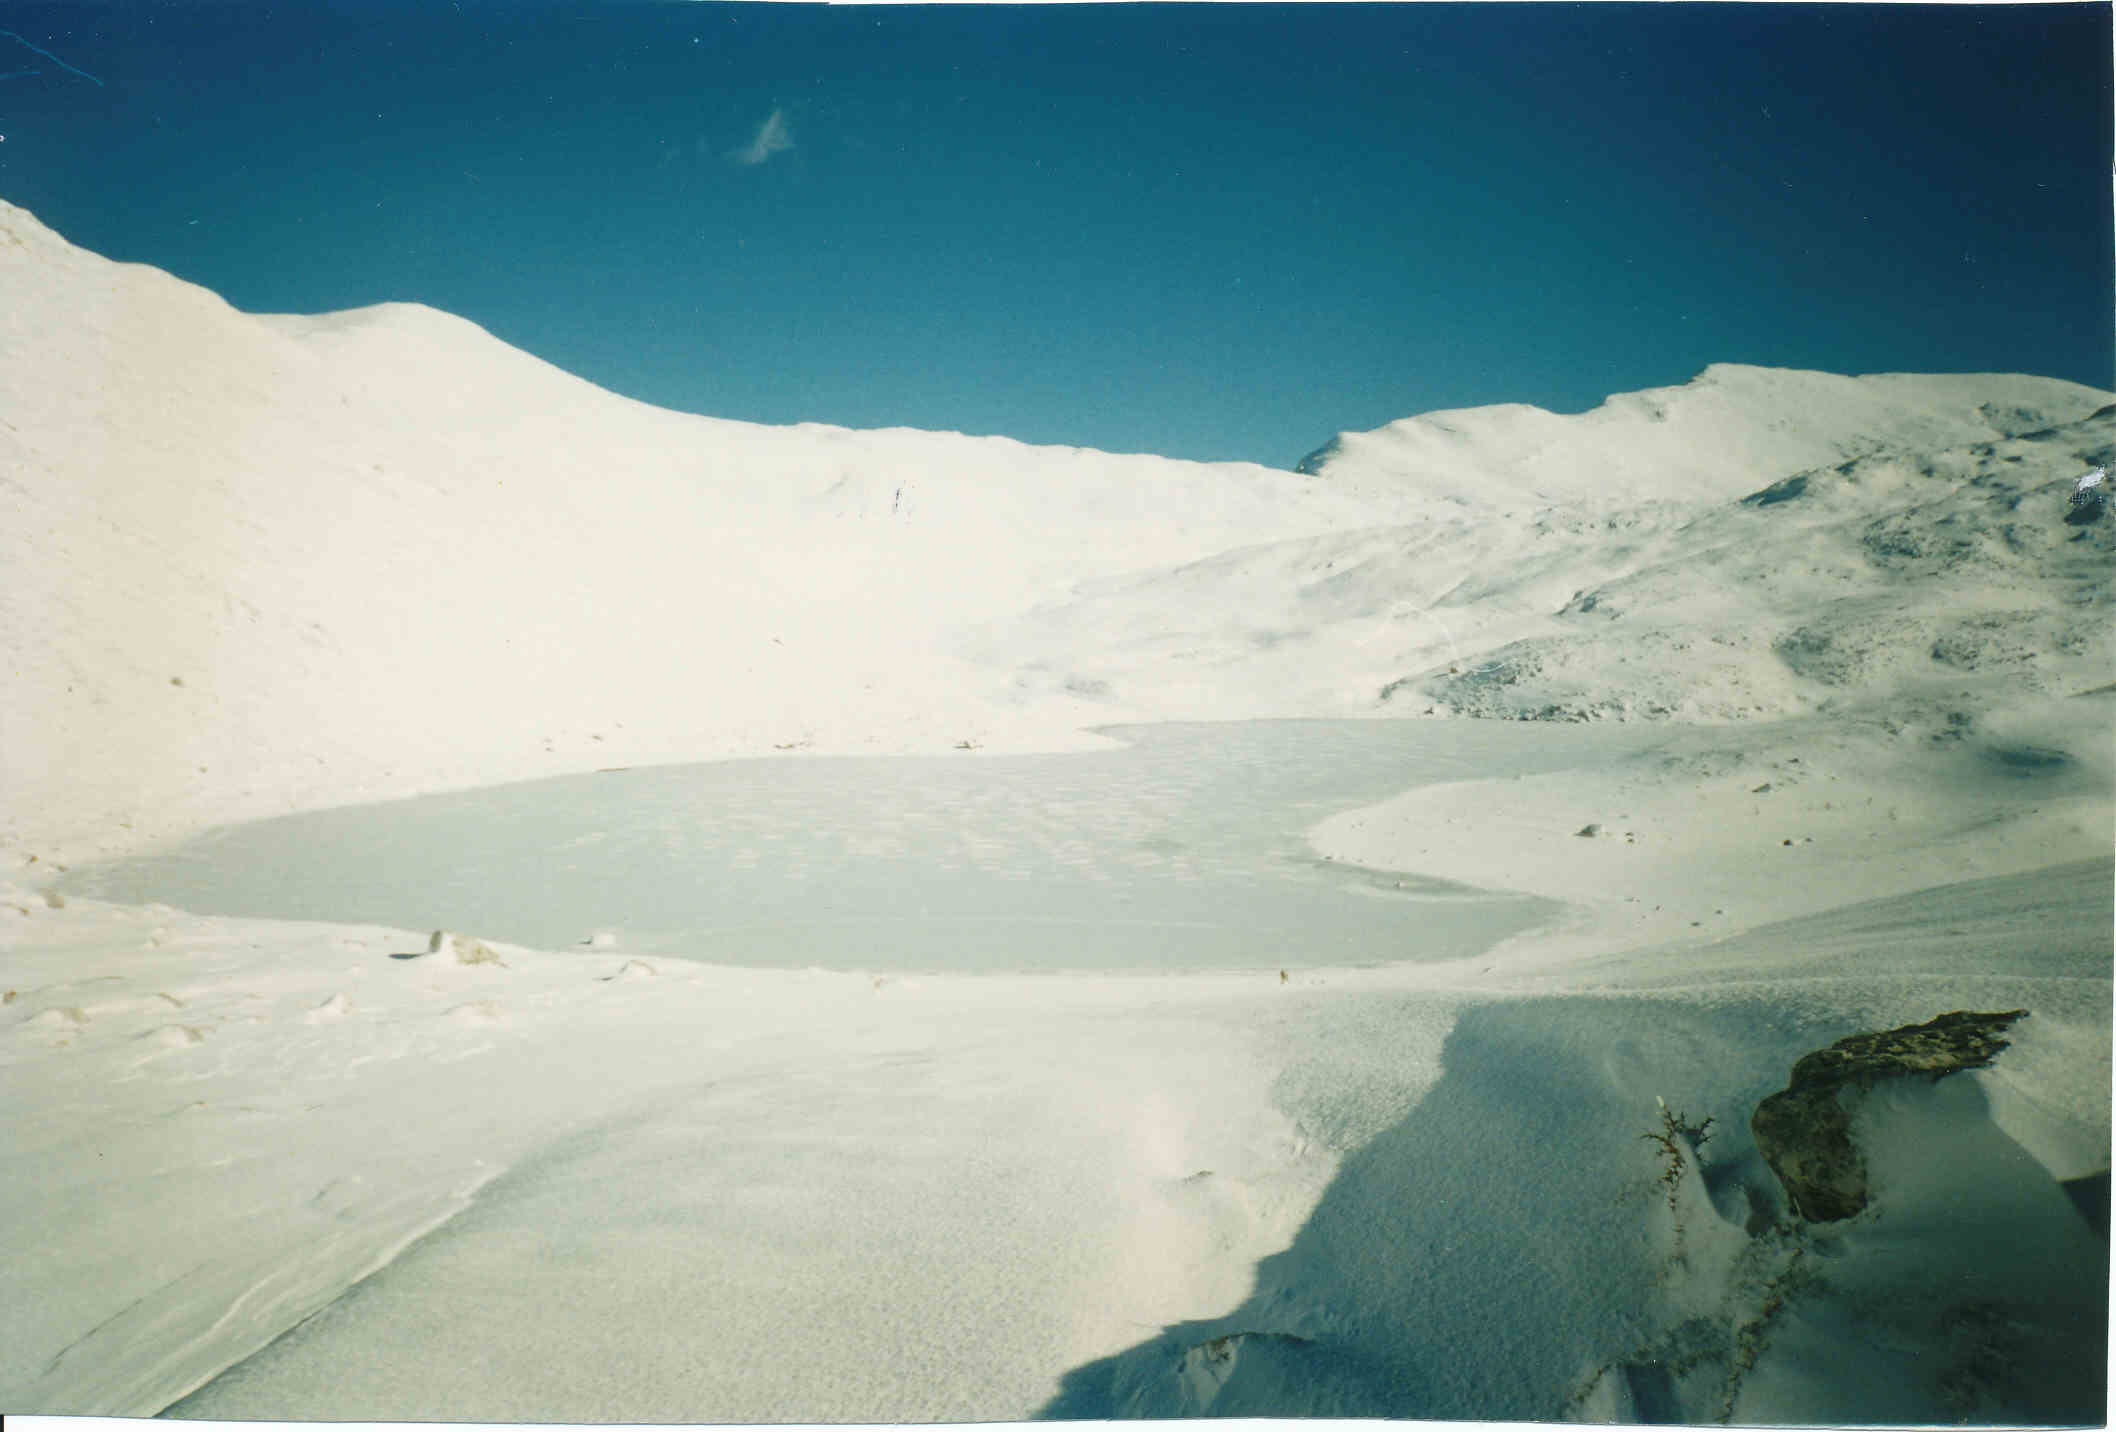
{"x":1182,"y":850}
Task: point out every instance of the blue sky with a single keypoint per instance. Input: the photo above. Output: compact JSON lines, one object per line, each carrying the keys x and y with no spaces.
{"x":1200,"y":230}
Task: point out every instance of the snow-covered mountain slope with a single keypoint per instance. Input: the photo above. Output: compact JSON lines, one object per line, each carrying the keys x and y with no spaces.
{"x":1703,"y":439}
{"x":1925,"y":566}
{"x":1939,"y":585}
{"x":258,"y":563}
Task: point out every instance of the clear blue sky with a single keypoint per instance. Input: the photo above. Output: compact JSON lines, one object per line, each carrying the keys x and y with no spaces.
{"x":1204,"y":231}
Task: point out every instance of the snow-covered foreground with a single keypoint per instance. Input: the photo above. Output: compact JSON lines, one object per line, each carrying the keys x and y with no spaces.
{"x":652,"y":1189}
{"x":268,"y":567}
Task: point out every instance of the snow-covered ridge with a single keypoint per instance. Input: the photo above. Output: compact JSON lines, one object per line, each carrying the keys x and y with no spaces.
{"x":1706,"y":438}
{"x":1906,"y":549}
{"x":258,"y":563}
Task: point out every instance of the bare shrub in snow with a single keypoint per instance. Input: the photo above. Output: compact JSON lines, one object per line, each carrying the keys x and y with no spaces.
{"x":1678,"y":1140}
{"x":1754,"y":1334}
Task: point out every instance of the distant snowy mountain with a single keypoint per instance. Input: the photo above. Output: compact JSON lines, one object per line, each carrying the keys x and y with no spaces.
{"x":261,"y":563}
{"x":1707,"y":438}
{"x":1752,"y":544}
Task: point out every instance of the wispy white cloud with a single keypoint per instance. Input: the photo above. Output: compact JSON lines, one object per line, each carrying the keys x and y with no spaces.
{"x":771,"y":139}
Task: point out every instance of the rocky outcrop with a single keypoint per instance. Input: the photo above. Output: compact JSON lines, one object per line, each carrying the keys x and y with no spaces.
{"x":2090,"y":498}
{"x":1804,"y":1131}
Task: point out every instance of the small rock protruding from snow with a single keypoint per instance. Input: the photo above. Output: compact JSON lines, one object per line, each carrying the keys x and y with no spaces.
{"x":467,"y":951}
{"x":2090,"y":498}
{"x":1804,"y":1131}
{"x":1590,"y":830}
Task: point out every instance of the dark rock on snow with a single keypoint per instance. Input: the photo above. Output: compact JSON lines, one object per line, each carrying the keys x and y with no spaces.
{"x":1804,"y":1130}
{"x":2090,"y":498}
{"x":464,"y":949}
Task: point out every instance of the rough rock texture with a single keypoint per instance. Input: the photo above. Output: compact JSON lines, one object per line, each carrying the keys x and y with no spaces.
{"x":2090,"y":498}
{"x":1804,"y":1130}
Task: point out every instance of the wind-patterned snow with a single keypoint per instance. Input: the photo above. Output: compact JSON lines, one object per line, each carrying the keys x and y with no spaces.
{"x":1182,"y":850}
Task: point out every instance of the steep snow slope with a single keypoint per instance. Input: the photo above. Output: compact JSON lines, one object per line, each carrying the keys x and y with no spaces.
{"x":254,"y":564}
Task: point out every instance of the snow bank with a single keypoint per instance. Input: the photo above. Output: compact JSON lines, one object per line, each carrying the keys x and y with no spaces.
{"x":1718,"y":831}
{"x":907,"y":1199}
{"x":1445,"y":1272}
{"x":1414,"y":1191}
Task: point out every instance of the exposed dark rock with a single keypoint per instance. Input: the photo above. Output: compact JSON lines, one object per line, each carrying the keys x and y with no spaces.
{"x":1777,"y":492}
{"x":2022,"y":761}
{"x":464,"y":950}
{"x":2089,"y":500}
{"x":1315,"y":461}
{"x":1804,"y":1130}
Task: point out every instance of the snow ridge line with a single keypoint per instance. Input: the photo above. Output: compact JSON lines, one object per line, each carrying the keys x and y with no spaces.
{"x":269,"y":1281}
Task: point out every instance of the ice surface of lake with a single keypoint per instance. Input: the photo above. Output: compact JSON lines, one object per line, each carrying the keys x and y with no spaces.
{"x":1183,"y":850}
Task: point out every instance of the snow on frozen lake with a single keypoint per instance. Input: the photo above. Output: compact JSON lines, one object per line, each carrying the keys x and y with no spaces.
{"x":1183,"y":849}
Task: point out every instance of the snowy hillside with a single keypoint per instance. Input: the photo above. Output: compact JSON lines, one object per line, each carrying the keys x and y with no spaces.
{"x":1885,"y":621}
{"x":264,"y":563}
{"x":1704,"y":439}
{"x":1753,"y":544}
{"x":258,"y":563}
